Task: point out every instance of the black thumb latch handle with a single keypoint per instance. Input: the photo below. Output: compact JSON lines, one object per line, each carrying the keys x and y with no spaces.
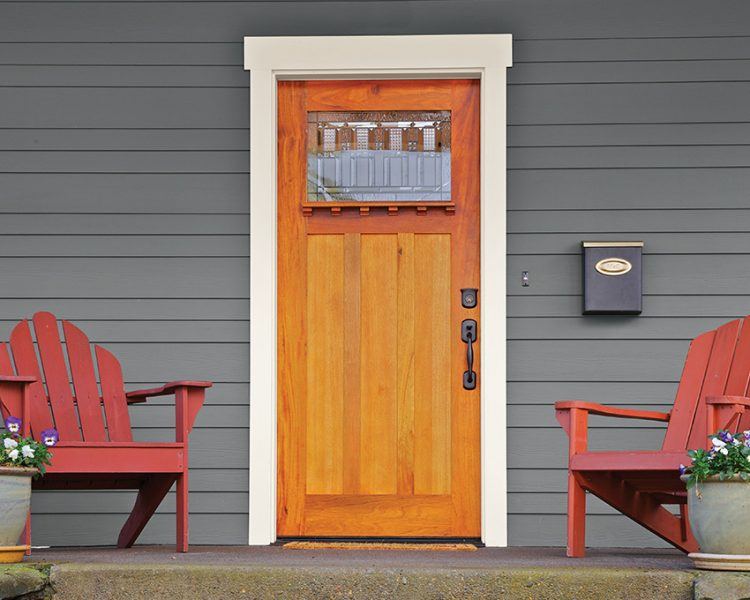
{"x":469,"y":335}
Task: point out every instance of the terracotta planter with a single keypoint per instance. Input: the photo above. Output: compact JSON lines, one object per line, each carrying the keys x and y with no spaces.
{"x":720,"y":520}
{"x":15,"y":499}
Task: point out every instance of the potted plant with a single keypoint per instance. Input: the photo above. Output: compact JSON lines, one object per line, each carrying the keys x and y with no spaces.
{"x":21,"y":458}
{"x":718,"y":482}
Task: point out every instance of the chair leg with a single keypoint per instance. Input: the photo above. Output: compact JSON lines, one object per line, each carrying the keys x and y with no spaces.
{"x":576,"y":518}
{"x":182,"y":513}
{"x":149,"y":497}
{"x":26,"y":535}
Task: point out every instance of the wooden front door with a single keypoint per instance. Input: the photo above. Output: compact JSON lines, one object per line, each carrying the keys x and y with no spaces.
{"x":378,"y":232}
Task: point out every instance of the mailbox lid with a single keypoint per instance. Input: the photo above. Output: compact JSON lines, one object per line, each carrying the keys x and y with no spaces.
{"x":612,"y":277}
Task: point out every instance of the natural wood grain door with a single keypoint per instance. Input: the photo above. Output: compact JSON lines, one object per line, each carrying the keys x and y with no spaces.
{"x":378,"y":232}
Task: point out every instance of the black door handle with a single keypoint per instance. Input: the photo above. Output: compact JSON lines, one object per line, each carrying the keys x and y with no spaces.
{"x":469,"y":335}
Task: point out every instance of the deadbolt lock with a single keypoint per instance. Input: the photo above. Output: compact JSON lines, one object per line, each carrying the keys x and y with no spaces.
{"x":469,"y":297}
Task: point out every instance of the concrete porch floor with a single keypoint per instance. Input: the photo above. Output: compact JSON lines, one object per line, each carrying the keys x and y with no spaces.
{"x":275,"y":572}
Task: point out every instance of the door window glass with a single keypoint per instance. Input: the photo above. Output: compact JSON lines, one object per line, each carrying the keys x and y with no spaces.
{"x":384,"y":156}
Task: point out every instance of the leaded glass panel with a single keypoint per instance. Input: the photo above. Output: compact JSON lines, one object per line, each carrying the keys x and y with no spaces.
{"x":382,"y":156}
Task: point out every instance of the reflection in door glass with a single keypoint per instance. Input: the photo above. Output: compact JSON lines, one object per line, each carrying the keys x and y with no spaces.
{"x":384,"y":156}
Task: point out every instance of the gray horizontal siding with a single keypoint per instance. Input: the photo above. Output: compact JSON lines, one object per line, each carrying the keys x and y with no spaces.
{"x":616,"y":135}
{"x":706,"y":274}
{"x":185,"y":161}
{"x":155,"y":330}
{"x":103,"y":528}
{"x":616,"y":139}
{"x":125,"y":139}
{"x":728,"y":242}
{"x":595,"y":360}
{"x":609,"y":328}
{"x":623,"y":393}
{"x":180,"y":195}
{"x":616,"y":220}
{"x":168,"y":246}
{"x":87,"y":214}
{"x":121,"y":502}
{"x":107,"y":309}
{"x":658,"y":306}
{"x":216,"y":21}
{"x":112,"y":277}
{"x":628,"y":189}
{"x":85,"y":225}
{"x":123,"y":170}
{"x":602,"y":530}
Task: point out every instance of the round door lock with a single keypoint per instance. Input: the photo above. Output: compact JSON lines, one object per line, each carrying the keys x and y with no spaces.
{"x":469,"y":297}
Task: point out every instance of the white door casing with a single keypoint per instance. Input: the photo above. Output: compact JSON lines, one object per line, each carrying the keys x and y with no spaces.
{"x":269,"y":59}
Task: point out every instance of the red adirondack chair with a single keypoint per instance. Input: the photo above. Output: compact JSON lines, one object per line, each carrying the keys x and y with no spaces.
{"x":100,"y":452}
{"x":711,"y":395}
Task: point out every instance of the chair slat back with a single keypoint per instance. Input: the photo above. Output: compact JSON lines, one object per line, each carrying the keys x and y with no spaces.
{"x":738,"y":383}
{"x":56,"y":376}
{"x":715,"y":381}
{"x":84,"y":383}
{"x":78,"y":417}
{"x":717,"y":363}
{"x":688,"y":392}
{"x":113,"y":395}
{"x":24,"y":357}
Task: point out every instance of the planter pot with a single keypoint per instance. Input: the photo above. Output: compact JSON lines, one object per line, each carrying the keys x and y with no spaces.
{"x":720,"y":520}
{"x":15,"y":498}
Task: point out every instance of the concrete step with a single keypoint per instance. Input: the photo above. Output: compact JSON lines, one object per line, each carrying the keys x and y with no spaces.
{"x":141,"y":582}
{"x":228,"y":573}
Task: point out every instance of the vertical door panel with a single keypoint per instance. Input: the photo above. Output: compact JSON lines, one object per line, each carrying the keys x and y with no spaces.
{"x":378,"y":364}
{"x":325,"y":364}
{"x":432,"y":365}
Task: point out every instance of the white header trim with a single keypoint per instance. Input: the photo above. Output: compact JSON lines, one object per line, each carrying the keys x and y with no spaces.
{"x":270,"y":59}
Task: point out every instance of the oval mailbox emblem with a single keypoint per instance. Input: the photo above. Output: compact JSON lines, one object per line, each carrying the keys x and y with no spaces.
{"x":613,"y":266}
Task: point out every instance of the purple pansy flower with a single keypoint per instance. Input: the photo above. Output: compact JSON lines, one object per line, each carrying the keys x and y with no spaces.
{"x":13,"y":424}
{"x":726,"y":437}
{"x":50,"y":437}
{"x":683,"y":468}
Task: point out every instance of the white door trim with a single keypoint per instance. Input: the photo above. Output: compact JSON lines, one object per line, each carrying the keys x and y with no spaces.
{"x":269,"y":59}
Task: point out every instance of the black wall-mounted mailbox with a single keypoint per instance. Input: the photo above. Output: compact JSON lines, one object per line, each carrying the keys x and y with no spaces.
{"x":612,"y":279}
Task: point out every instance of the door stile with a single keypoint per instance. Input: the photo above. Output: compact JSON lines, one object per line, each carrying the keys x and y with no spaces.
{"x":291,"y":337}
{"x":465,"y":273}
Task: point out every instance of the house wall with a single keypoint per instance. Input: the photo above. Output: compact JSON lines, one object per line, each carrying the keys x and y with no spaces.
{"x":124,"y":207}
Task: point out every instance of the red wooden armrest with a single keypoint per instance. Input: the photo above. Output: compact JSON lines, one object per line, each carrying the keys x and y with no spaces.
{"x":188,"y":400}
{"x":166,"y":390}
{"x":723,"y":410}
{"x":611,"y":411}
{"x":739,"y":400}
{"x":573,"y":416}
{"x":25,"y":379}
{"x":15,"y":399}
